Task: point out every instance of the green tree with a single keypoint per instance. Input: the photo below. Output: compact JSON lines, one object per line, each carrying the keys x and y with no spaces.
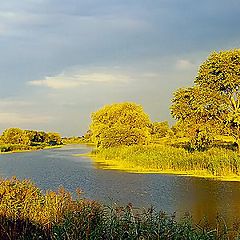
{"x":15,"y":136}
{"x":160,"y":130}
{"x":213,"y":101}
{"x":53,"y":138}
{"x":120,"y":124}
{"x":36,"y":136}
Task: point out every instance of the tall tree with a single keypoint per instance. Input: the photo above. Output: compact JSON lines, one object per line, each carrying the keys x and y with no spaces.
{"x":120,"y":124}
{"x":214,"y":100}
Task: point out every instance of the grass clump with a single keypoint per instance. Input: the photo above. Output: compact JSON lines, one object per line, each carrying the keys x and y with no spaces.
{"x":27,"y":213}
{"x":164,"y":158}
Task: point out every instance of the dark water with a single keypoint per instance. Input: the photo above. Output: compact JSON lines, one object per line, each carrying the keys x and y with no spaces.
{"x":50,"y":169}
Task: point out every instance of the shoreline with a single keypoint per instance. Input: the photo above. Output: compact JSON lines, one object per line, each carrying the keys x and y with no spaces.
{"x":112,"y":165}
{"x":31,"y":150}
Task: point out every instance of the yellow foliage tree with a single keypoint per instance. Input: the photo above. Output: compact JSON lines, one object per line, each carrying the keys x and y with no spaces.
{"x":160,"y":130}
{"x":214,"y":100}
{"x":120,"y":124}
{"x":15,"y":136}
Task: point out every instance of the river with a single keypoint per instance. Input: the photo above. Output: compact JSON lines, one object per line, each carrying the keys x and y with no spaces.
{"x":52,"y":168}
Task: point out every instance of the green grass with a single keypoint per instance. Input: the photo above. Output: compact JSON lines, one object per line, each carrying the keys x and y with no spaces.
{"x":27,"y":213}
{"x":163,"y":158}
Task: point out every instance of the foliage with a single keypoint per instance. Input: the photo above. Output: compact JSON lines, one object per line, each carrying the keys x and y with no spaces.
{"x":202,"y":140}
{"x":54,"y":139}
{"x":36,"y":136}
{"x":13,"y":139}
{"x":214,"y":99}
{"x":26,"y":213}
{"x":15,"y":136}
{"x":160,"y":130}
{"x":120,"y":123}
{"x":180,"y":130}
{"x":119,"y":135}
{"x":87,"y":139}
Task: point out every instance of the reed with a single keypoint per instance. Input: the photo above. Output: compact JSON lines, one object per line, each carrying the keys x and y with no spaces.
{"x":27,"y":213}
{"x":164,"y":158}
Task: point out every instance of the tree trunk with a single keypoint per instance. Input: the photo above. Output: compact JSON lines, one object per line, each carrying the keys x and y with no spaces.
{"x":238,"y":145}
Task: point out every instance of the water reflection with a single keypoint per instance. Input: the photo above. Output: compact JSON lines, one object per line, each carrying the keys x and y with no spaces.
{"x":51,"y":168}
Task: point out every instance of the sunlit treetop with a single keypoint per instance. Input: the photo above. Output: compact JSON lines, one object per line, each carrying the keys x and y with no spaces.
{"x":220,"y":72}
{"x":126,"y":113}
{"x":120,"y":123}
{"x":214,"y":99}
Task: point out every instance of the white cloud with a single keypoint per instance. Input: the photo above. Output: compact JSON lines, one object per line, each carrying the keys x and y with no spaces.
{"x":18,"y":17}
{"x":74,"y":79}
{"x":184,"y":64}
{"x":3,"y":29}
{"x":8,"y":102}
{"x":13,"y":22}
{"x":16,"y":119}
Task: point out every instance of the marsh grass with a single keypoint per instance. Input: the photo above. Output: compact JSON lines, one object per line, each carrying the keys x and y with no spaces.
{"x":26,"y":213}
{"x":163,"y":158}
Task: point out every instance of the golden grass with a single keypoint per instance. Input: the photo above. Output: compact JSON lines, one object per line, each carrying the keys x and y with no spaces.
{"x":216,"y":163}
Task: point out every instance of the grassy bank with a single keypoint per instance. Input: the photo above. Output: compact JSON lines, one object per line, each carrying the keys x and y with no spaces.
{"x":215,"y":162}
{"x":27,"y":213}
{"x":10,"y":148}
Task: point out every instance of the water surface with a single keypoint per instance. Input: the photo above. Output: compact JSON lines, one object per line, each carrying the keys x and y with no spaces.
{"x":52,"y":168}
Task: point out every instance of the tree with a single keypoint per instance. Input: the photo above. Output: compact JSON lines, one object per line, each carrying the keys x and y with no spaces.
{"x":53,"y":139}
{"x":120,"y":124}
{"x":160,"y":130}
{"x":15,"y":136}
{"x":214,"y":100}
{"x":36,"y":136}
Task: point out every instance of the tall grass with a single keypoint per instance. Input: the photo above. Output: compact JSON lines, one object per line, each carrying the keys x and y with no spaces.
{"x":26,"y":213}
{"x":215,"y":161}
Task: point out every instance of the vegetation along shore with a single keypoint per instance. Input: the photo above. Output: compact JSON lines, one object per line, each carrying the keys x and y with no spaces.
{"x":17,"y":140}
{"x":204,"y":141}
{"x":27,"y":213}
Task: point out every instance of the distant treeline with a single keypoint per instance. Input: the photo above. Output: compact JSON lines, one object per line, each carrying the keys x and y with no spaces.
{"x":13,"y":139}
{"x":78,"y":140}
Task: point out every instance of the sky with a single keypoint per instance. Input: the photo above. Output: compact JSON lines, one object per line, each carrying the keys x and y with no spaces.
{"x":62,"y":60}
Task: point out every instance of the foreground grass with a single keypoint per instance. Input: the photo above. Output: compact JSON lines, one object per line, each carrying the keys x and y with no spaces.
{"x":216,"y":162}
{"x":27,"y":213}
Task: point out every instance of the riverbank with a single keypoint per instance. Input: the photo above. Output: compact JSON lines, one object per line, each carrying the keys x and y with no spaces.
{"x":29,"y":149}
{"x":27,"y":213}
{"x":215,"y":163}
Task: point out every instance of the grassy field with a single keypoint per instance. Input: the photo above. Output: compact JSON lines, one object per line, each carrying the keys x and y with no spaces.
{"x":215,"y":162}
{"x":27,"y":213}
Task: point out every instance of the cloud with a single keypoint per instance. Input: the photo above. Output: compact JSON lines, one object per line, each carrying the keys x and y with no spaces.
{"x":184,"y":64}
{"x":15,"y":22}
{"x":75,"y":79}
{"x":8,"y":102}
{"x":11,"y":118}
{"x":3,"y":29}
